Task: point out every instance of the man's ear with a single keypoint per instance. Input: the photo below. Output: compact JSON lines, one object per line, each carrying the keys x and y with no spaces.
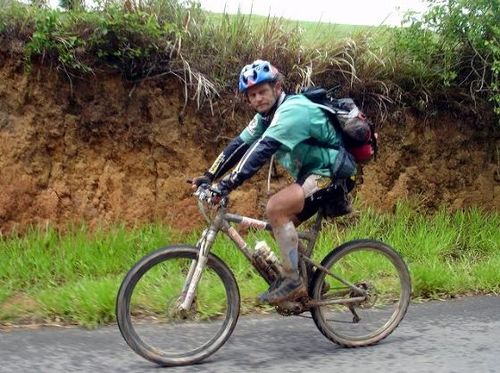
{"x":278,"y":87}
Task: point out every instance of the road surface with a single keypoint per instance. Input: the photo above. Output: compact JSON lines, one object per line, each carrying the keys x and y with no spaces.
{"x":460,"y":335}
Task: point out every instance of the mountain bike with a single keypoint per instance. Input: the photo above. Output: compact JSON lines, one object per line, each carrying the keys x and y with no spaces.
{"x":179,"y":304}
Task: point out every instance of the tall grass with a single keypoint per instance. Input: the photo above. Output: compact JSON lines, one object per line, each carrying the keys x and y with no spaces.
{"x":378,"y":66}
{"x":74,"y":276}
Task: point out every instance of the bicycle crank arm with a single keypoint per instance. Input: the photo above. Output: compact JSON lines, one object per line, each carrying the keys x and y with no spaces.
{"x":325,"y":302}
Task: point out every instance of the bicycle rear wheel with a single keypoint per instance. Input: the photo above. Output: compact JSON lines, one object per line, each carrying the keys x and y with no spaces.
{"x":149,"y":317}
{"x":354,"y":320}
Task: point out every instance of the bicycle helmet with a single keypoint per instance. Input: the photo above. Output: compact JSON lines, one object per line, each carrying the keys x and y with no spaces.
{"x":257,"y":72}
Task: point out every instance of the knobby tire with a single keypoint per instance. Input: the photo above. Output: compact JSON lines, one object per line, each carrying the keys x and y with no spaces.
{"x":126,"y":320}
{"x":339,"y":325}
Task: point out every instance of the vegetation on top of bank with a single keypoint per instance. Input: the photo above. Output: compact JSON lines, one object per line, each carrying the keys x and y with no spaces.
{"x":448,"y":59}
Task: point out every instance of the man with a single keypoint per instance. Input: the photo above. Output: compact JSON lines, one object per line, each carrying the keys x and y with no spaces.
{"x":296,"y":130}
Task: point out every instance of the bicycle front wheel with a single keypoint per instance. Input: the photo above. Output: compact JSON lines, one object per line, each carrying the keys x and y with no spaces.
{"x":348,"y":317}
{"x":148,"y":312}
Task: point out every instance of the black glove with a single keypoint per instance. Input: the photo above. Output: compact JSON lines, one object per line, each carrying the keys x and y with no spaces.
{"x":224,"y":187}
{"x":207,"y":178}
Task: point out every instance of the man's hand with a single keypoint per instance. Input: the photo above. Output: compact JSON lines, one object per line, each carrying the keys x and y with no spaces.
{"x":220,"y":189}
{"x":197,"y":181}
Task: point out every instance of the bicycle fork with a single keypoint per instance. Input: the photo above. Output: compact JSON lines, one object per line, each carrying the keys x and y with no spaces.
{"x":195,"y":270}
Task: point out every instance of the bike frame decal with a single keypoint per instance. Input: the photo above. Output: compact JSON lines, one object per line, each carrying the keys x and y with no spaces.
{"x":254,"y":223}
{"x":247,"y":222}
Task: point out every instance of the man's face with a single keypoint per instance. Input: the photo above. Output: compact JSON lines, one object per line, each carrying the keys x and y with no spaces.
{"x":263,"y":96}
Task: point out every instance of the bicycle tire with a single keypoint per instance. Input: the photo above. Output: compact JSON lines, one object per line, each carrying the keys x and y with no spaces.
{"x":126,"y":315}
{"x":340,"y":324}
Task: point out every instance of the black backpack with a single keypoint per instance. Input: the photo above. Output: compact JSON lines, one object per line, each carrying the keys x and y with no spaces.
{"x":358,"y":133}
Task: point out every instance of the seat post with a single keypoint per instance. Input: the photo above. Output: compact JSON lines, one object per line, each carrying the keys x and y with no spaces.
{"x":314,"y":232}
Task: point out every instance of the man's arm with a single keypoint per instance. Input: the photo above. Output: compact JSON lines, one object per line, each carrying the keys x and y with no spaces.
{"x":235,"y":150}
{"x":231,"y":154}
{"x":255,"y":157}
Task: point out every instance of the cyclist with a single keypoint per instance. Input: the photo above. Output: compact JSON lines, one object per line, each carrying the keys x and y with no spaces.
{"x":295,"y":130}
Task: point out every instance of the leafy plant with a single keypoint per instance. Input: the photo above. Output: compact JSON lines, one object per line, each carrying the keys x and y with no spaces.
{"x":456,"y":44}
{"x":134,"y":43}
{"x":53,"y":41}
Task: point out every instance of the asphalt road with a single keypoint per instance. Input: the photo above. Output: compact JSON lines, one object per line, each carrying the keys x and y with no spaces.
{"x":454,"y":336}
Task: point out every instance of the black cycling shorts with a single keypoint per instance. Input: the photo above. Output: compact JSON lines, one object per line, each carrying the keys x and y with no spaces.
{"x":320,"y":191}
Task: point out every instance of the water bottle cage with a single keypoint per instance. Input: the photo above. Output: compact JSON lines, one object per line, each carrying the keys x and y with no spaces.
{"x":268,"y":269}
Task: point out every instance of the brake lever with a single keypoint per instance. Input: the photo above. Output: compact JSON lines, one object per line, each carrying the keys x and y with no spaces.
{"x":203,"y":193}
{"x":211,"y":195}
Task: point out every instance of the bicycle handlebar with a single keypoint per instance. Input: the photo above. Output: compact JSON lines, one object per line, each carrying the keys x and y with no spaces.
{"x":205,"y":193}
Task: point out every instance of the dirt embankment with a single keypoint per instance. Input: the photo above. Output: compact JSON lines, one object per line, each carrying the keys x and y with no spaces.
{"x":102,"y":150}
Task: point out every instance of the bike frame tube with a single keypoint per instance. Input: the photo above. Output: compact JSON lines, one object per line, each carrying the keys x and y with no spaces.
{"x":240,"y":243}
{"x":245,"y":221}
{"x":345,"y":282}
{"x":326,"y":302}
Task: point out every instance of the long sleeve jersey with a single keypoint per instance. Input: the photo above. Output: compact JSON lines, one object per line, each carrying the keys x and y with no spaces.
{"x":288,"y":134}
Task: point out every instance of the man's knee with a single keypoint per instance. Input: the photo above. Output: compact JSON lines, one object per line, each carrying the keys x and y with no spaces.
{"x":284,"y":205}
{"x":283,"y":208}
{"x":273,"y":209}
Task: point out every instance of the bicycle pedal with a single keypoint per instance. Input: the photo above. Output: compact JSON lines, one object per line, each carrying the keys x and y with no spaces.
{"x":290,"y":307}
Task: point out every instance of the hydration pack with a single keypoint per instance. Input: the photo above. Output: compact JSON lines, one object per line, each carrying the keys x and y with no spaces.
{"x":358,"y":132}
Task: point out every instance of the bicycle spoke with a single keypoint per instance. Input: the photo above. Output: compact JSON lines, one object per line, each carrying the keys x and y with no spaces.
{"x":370,"y":311}
{"x":151,"y":314}
{"x":157,"y":298}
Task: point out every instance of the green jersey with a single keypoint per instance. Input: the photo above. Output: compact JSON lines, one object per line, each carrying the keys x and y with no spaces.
{"x":296,"y":121}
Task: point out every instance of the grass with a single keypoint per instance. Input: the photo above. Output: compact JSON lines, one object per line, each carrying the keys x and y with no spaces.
{"x":73,"y":276}
{"x":312,"y":32}
{"x":380,"y":67}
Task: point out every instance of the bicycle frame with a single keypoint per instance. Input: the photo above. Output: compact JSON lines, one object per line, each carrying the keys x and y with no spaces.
{"x":221,"y":222}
